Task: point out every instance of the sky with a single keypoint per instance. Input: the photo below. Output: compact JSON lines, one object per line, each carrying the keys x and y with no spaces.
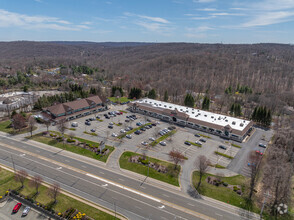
{"x":197,"y":21}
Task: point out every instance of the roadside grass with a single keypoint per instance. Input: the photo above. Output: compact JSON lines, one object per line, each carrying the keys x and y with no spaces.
{"x":63,"y":202}
{"x":222,"y":193}
{"x":217,"y":166}
{"x":202,"y":135}
{"x":197,"y":145}
{"x":122,"y":111}
{"x":235,"y":145}
{"x":90,"y":133}
{"x":132,"y":131}
{"x":5,"y":127}
{"x":99,"y":119}
{"x":73,"y":148}
{"x":121,"y":99}
{"x":117,"y":124}
{"x":171,"y":178}
{"x":163,"y":137}
{"x":72,"y":129}
{"x":224,"y":155}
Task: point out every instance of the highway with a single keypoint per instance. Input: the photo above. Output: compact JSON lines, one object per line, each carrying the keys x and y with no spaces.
{"x":99,"y":184}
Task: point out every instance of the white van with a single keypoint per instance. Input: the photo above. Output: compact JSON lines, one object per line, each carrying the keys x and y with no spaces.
{"x":74,"y":124}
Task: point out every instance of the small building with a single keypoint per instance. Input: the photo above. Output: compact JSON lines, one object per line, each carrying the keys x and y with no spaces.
{"x":75,"y":109}
{"x":221,"y":125}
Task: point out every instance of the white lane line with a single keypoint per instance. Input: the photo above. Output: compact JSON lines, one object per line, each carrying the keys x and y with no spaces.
{"x":101,"y":172}
{"x":218,"y":214}
{"x":123,"y":187}
{"x":22,"y":155}
{"x":190,"y":204}
{"x":67,"y":161}
{"x":143,"y":187}
{"x":58,"y":168}
{"x":161,"y":207}
{"x":165,"y":195}
{"x":84,"y":166}
{"x":138,"y":207}
{"x":121,"y":179}
{"x":38,"y":151}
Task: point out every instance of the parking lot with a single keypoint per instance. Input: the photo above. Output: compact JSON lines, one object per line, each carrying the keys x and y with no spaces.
{"x":6,"y":212}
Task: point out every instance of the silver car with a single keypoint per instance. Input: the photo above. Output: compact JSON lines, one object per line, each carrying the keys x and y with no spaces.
{"x":26,"y":211}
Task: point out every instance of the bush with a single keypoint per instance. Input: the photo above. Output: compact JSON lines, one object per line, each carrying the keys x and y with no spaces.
{"x":225,"y":184}
{"x":90,"y":145}
{"x":70,"y":140}
{"x":236,"y":188}
{"x":239,"y":192}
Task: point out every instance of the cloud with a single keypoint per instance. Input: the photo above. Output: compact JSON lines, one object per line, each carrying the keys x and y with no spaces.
{"x":156,"y":19}
{"x":198,"y":32}
{"x":207,"y":9}
{"x":203,"y":18}
{"x":269,"y":18}
{"x":8,"y":19}
{"x":203,"y":1}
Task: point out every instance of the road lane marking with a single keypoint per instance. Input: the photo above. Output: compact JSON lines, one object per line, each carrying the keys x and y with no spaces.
{"x":165,"y":195}
{"x":84,"y":166}
{"x":121,"y":179}
{"x":67,"y":161}
{"x":104,"y":185}
{"x":101,"y":172}
{"x":58,"y":168}
{"x":218,"y":214}
{"x":22,"y":155}
{"x":190,"y":204}
{"x":138,"y":207}
{"x":123,"y":187}
{"x":161,"y":207}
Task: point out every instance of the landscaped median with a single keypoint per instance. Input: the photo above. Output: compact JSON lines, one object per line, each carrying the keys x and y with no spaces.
{"x":132,"y":131}
{"x":224,"y":155}
{"x":5,"y":126}
{"x":158,"y":169}
{"x":235,"y":145}
{"x":226,"y":189}
{"x":74,"y":144}
{"x":163,"y":137}
{"x":90,"y":133}
{"x":63,"y":205}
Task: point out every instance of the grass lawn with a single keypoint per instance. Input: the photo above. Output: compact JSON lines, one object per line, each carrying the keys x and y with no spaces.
{"x":121,"y":99}
{"x":133,"y":130}
{"x":72,"y":129}
{"x":221,"y":193}
{"x":4,"y":126}
{"x":204,"y":136}
{"x":63,"y":202}
{"x":224,"y":155}
{"x":235,"y":145}
{"x":99,"y":120}
{"x":73,"y":148}
{"x":163,"y":137}
{"x":141,"y":169}
{"x":122,"y":111}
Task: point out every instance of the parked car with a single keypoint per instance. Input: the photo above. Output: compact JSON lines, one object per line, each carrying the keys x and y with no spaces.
{"x":26,"y":211}
{"x":144,"y":143}
{"x":127,"y":120}
{"x":74,"y":124}
{"x":202,"y":140}
{"x":198,"y":142}
{"x":153,"y":124}
{"x":111,"y":123}
{"x":131,"y":128}
{"x":147,"y":127}
{"x":87,"y":123}
{"x":127,"y":129}
{"x":114,"y":135}
{"x":152,"y":139}
{"x":105,"y":115}
{"x":197,"y":135}
{"x":259,"y":152}
{"x":16,"y":207}
{"x":91,"y":119}
{"x":138,"y":132}
{"x":162,"y":143}
{"x":98,"y":117}
{"x":129,"y":136}
{"x":262,"y":145}
{"x":187,"y":143}
{"x":122,"y":131}
{"x":110,"y":126}
{"x":138,"y":123}
{"x":142,"y":129}
{"x":222,"y":147}
{"x":93,"y":130}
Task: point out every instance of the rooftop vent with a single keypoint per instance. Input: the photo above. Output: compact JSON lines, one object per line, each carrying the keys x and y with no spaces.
{"x":241,"y":125}
{"x":193,"y":112}
{"x":205,"y":115}
{"x":212,"y":117}
{"x":233,"y":122}
{"x":164,"y":105}
{"x":226,"y":120}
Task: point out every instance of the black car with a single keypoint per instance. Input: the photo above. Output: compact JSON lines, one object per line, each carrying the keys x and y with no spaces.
{"x":87,"y":123}
{"x":153,"y":124}
{"x":138,"y":132}
{"x":98,"y":117}
{"x":110,"y":126}
{"x":142,"y":129}
{"x":127,"y":120}
{"x":105,"y":115}
{"x":202,"y":140}
{"x":187,"y":143}
{"x":197,"y":135}
{"x":222,"y":147}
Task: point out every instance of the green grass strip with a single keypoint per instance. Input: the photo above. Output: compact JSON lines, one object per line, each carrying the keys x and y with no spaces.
{"x":235,"y":145}
{"x":224,"y":155}
{"x":132,"y":131}
{"x":197,"y":145}
{"x":171,"y":177}
{"x":163,"y":137}
{"x":204,"y":136}
{"x":90,"y":133}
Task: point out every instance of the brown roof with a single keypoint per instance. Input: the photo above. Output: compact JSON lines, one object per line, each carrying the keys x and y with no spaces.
{"x":56,"y":109}
{"x":74,"y":105}
{"x":95,"y":99}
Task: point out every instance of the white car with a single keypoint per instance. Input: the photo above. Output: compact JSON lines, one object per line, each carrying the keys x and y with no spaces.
{"x":26,"y":211}
{"x":144,"y":143}
{"x":74,"y":124}
{"x":152,"y":139}
{"x":162,"y":143}
{"x":122,"y":131}
{"x":198,"y":142}
{"x":114,"y":135}
{"x":111,"y":123}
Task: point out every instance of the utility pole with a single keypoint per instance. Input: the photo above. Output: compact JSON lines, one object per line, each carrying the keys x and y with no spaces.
{"x":264,"y":201}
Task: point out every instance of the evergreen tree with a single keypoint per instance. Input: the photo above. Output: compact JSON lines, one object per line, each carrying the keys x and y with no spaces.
{"x":205,"y":103}
{"x":135,"y":93}
{"x":165,"y":96}
{"x":152,"y":94}
{"x":189,"y":100}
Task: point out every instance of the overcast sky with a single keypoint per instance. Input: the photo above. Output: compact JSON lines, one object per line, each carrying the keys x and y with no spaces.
{"x":203,"y":21}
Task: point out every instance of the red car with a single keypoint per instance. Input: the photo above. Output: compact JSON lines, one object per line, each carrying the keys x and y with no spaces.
{"x":16,"y":207}
{"x":259,"y":152}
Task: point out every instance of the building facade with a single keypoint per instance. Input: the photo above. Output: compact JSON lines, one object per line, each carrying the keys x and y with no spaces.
{"x":225,"y":126}
{"x":75,"y":109}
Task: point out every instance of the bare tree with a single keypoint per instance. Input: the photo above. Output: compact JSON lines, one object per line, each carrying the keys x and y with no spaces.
{"x":61,"y":126}
{"x":18,"y":122}
{"x":47,"y":124}
{"x":202,"y":164}
{"x":20,"y":176}
{"x":31,"y":125}
{"x":177,"y":157}
{"x":71,"y":135}
{"x":36,"y":181}
{"x":254,"y":159}
{"x":54,"y":191}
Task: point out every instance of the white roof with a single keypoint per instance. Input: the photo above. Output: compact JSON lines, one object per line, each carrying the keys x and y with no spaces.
{"x":214,"y":118}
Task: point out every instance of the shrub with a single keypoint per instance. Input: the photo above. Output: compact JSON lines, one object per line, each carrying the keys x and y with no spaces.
{"x":236,"y":188}
{"x":70,"y":140}
{"x":0,"y":197}
{"x":239,"y":192}
{"x":6,"y":193}
{"x":225,"y":184}
{"x":90,"y":145}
